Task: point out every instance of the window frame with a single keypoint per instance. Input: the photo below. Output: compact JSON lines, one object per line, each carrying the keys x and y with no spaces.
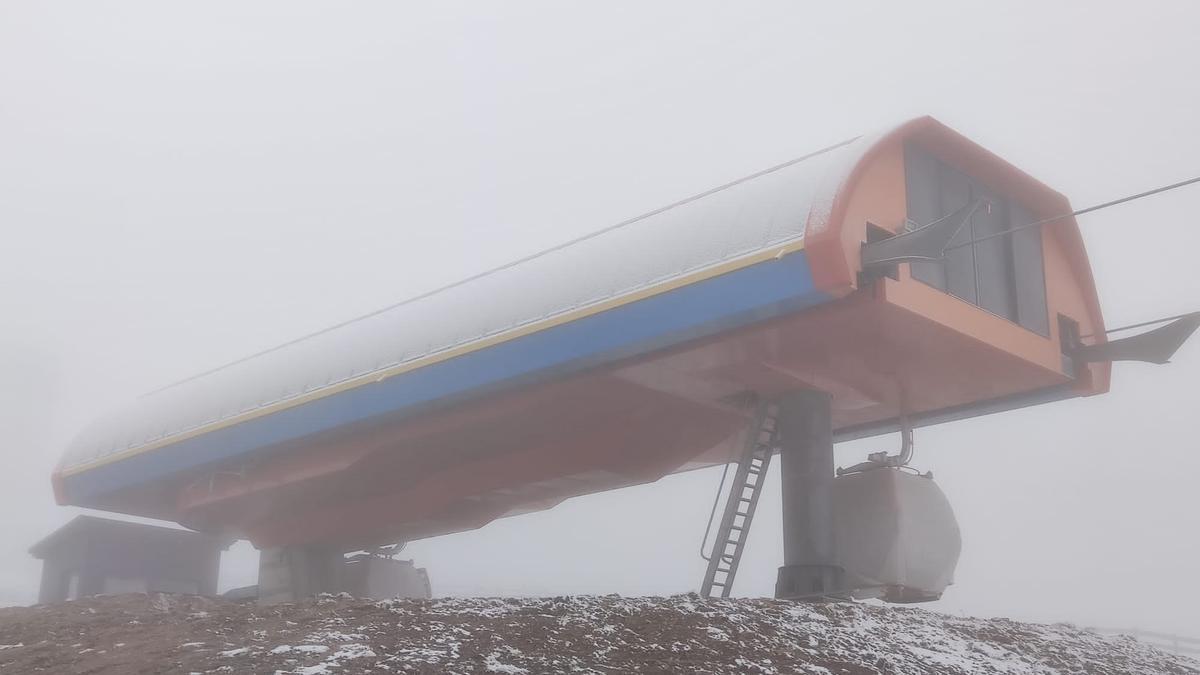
{"x":1023,"y":296}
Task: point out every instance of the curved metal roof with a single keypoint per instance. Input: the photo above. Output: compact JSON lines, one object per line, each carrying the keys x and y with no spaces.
{"x":737,"y":220}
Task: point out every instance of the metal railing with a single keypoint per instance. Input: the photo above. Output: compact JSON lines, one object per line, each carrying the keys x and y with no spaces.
{"x":1178,"y":644}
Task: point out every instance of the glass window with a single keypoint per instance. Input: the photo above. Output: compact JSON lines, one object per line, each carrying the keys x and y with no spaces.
{"x":1004,"y":274}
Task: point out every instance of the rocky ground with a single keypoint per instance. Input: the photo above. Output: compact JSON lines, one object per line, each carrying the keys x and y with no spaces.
{"x":588,"y":634}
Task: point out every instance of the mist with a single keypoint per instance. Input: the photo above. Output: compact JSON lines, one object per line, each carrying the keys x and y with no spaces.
{"x":184,"y":184}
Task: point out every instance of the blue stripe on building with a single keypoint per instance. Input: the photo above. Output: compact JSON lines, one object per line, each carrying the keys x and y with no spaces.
{"x":758,"y":292}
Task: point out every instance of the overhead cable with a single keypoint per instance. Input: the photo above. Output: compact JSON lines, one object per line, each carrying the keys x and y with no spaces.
{"x":1080,"y":212}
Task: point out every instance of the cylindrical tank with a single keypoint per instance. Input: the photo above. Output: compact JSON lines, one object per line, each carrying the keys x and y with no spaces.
{"x":896,"y":537}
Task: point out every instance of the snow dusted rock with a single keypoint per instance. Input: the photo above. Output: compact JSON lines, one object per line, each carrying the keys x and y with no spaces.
{"x":584,"y":634}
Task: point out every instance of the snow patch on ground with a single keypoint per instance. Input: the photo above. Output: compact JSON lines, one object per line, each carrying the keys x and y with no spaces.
{"x":530,"y":636}
{"x":494,"y":665}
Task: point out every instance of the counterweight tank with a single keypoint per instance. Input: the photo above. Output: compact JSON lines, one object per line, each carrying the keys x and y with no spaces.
{"x":896,"y":537}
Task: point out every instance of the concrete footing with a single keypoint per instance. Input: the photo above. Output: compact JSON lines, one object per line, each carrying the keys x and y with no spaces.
{"x":295,"y":573}
{"x":291,"y":573}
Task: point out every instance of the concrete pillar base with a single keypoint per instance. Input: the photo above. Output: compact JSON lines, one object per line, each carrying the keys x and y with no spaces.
{"x":808,"y":582}
{"x":293,"y":573}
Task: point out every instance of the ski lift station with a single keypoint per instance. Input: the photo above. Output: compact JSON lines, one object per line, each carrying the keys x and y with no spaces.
{"x":879,"y":285}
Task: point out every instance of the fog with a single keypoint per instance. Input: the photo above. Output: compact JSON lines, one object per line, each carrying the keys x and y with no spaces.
{"x":185,"y":183}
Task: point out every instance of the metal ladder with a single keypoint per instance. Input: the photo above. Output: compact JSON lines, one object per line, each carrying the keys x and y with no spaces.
{"x":730,"y":541}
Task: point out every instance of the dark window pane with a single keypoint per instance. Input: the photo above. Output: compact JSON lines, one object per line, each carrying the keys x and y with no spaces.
{"x":955,"y":193}
{"x":1004,"y":275}
{"x":924,"y":207}
{"x":993,"y":258}
{"x":1029,"y":273}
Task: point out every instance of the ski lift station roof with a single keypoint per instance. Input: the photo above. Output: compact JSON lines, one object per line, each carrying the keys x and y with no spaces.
{"x":625,"y":355}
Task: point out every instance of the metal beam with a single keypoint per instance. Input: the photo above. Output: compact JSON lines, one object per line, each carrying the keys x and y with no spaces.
{"x":1153,"y":346}
{"x":924,"y":244}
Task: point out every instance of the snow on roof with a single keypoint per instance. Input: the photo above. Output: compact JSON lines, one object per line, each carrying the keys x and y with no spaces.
{"x":721,"y":225}
{"x":85,"y":525}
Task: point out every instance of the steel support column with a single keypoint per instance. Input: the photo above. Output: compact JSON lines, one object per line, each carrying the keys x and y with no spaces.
{"x":805,"y":442}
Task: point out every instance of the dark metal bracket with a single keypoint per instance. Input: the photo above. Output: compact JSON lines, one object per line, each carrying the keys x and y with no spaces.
{"x":1153,"y":346}
{"x":924,"y":244}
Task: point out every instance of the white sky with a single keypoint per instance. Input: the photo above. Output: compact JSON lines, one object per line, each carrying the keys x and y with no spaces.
{"x":183,"y":183}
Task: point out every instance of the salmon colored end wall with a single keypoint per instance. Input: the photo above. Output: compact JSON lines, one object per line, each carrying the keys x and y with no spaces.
{"x":871,"y":190}
{"x":874,"y":192}
{"x":1070,"y":287}
{"x":1067,"y":296}
{"x":877,"y":198}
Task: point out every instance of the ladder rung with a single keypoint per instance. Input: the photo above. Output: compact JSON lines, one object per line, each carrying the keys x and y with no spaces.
{"x":746,"y":490}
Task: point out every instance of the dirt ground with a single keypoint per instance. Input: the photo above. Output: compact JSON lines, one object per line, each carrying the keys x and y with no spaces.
{"x":579,"y":634}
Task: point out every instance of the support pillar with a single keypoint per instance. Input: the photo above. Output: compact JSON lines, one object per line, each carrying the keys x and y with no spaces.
{"x":293,"y":573}
{"x":805,"y":438}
